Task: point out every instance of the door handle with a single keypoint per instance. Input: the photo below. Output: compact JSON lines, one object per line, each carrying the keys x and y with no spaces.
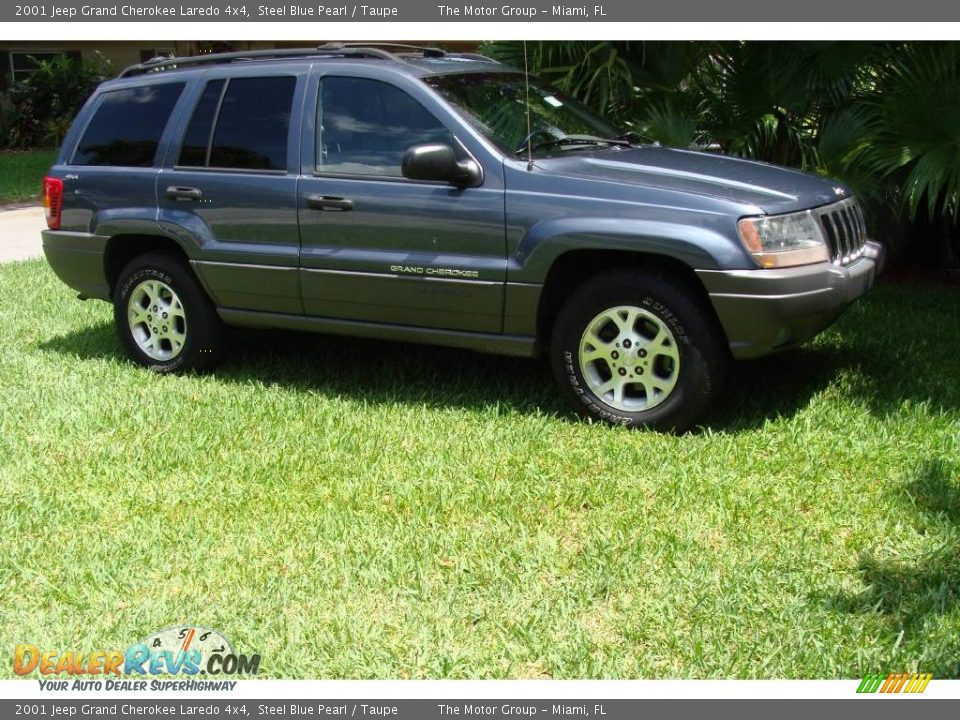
{"x":328,"y":202}
{"x":183,"y":193}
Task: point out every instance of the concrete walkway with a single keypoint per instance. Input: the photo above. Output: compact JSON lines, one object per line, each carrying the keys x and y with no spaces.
{"x":20,"y":233}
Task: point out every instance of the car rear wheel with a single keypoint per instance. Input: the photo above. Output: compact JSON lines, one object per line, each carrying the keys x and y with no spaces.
{"x":164,"y":319}
{"x":640,"y":349}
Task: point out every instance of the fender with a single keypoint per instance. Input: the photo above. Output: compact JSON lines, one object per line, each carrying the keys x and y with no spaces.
{"x":116,"y":223}
{"x":136,"y":221}
{"x":696,"y":246}
{"x":549,"y":214}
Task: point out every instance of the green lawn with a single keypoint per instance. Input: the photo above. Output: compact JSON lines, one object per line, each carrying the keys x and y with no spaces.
{"x":21,"y":174}
{"x":359,"y":509}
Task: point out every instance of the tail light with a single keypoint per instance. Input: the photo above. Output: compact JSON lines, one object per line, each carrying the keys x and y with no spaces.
{"x":53,"y":201}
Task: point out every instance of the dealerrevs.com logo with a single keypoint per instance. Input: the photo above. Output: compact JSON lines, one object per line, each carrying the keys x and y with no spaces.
{"x":182,"y":651}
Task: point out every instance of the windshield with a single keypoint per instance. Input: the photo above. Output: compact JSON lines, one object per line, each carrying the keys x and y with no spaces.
{"x":495,"y":103}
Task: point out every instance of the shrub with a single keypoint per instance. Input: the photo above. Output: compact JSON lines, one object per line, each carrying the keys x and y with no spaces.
{"x":45,"y":102}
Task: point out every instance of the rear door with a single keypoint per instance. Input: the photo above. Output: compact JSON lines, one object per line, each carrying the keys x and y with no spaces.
{"x":230,"y":185}
{"x":377,"y":247}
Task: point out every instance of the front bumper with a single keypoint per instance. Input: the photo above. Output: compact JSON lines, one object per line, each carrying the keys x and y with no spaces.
{"x":78,"y":259}
{"x":766,"y":310}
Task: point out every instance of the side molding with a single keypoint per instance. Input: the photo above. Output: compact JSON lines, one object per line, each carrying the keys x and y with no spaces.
{"x":515,"y":345}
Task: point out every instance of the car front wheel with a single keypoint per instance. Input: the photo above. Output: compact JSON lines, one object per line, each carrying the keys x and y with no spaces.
{"x":640,"y":349}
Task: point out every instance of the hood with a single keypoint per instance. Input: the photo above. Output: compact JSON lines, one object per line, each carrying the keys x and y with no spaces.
{"x":771,"y":188}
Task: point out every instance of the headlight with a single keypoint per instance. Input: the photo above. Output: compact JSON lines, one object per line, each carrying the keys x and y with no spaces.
{"x":784,"y":240}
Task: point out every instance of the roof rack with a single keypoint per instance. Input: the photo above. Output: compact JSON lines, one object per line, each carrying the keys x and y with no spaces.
{"x":356,"y":50}
{"x":173,"y":63}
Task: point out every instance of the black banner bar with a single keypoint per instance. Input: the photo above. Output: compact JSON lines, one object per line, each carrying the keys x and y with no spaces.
{"x":452,"y":11}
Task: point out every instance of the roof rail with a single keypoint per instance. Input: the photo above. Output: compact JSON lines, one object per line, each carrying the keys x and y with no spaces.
{"x":425,"y":51}
{"x":333,"y":49}
{"x":432,"y":52}
{"x":478,"y":57}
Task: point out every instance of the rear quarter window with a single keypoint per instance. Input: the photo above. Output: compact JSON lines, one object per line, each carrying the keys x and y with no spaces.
{"x":126,"y":127}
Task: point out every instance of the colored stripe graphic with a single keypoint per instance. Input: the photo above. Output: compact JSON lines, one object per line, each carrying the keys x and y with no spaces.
{"x":870,"y":683}
{"x":895,"y":682}
{"x":189,"y":639}
{"x":922,"y":680}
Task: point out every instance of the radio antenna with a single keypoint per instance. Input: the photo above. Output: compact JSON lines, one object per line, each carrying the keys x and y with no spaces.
{"x":526,"y":81}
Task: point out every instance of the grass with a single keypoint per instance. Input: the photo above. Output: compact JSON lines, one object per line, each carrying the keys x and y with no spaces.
{"x":358,"y":509}
{"x":21,"y":174}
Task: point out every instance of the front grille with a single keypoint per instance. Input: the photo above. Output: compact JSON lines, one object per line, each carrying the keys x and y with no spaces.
{"x":846,"y":231}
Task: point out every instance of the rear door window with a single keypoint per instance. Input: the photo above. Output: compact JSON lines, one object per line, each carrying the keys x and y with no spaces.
{"x":126,"y":127}
{"x":196,"y":141}
{"x":240,"y":124}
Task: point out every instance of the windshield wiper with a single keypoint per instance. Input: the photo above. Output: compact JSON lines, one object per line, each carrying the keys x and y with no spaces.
{"x":558,"y":142}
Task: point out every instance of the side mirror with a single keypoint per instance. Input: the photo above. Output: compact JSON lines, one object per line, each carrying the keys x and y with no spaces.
{"x":438,"y":162}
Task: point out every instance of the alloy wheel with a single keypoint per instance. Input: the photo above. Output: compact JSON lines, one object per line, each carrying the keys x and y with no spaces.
{"x":157,"y":320}
{"x":629,"y":358}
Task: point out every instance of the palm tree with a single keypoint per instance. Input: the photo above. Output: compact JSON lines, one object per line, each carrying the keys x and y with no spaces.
{"x":916,"y":115}
{"x":883,"y":117}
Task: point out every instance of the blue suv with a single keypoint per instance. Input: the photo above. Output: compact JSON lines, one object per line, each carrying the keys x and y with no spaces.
{"x":410,"y":194}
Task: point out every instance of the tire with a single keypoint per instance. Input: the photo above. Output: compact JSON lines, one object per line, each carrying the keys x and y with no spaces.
{"x":193,"y":337}
{"x":648,"y":334}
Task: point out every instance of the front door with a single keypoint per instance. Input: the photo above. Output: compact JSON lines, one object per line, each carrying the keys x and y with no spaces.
{"x":377,"y":247}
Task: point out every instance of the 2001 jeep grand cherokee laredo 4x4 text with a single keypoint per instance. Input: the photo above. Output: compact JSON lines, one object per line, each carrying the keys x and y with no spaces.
{"x":352,"y":190}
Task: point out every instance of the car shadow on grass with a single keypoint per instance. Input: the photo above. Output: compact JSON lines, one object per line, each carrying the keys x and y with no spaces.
{"x":899,"y":345}
{"x":394,"y":372}
{"x":776,"y":386}
{"x":910,"y":594}
{"x":371,"y":370}
{"x":906,"y":338}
